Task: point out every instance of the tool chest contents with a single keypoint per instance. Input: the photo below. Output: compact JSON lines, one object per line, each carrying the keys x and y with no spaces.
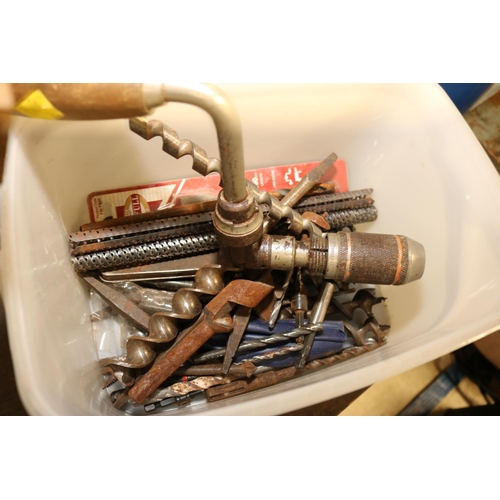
{"x":204,"y":289}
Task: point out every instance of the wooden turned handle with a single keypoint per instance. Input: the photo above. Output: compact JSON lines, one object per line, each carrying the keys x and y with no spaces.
{"x":78,"y":101}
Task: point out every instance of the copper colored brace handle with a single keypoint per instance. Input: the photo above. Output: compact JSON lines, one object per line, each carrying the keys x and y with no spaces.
{"x":87,"y":101}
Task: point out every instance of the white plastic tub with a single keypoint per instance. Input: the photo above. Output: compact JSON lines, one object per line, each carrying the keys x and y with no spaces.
{"x":432,"y":182}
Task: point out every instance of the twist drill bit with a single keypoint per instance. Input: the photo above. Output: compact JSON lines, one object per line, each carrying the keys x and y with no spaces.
{"x":263,"y":342}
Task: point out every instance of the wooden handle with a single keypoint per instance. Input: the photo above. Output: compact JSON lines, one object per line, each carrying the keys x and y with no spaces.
{"x":78,"y":101}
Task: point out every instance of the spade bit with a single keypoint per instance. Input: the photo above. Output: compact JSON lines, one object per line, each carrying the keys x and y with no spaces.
{"x":215,"y":319}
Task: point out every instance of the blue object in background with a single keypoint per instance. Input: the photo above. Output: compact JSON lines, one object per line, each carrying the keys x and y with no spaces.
{"x":464,"y":95}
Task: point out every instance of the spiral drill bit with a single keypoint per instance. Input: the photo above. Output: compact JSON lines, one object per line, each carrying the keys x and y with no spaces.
{"x":263,"y":342}
{"x":162,"y":325}
{"x":172,"y":145}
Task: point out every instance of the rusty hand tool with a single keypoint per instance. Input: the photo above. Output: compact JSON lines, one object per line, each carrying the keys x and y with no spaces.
{"x":216,"y":319}
{"x":243,"y":386}
{"x":245,"y":368}
{"x":303,"y":187}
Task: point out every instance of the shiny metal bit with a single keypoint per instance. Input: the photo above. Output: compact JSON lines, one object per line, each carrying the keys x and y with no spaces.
{"x":299,"y":304}
{"x":240,"y":322}
{"x":179,"y":268}
{"x":262,"y":342}
{"x":279,"y":302}
{"x":317,"y":317}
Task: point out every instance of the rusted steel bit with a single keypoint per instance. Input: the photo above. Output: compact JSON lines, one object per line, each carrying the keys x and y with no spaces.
{"x":309,"y":181}
{"x":317,"y":317}
{"x":216,"y":319}
{"x":303,"y":187}
{"x":182,"y":388}
{"x":246,"y":368}
{"x":240,"y":323}
{"x":244,"y":386}
{"x":117,"y":373}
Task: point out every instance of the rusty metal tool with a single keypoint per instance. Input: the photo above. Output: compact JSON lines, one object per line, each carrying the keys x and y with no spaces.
{"x":183,"y":388}
{"x":303,"y":187}
{"x":245,"y":368}
{"x":317,"y":317}
{"x":243,"y":386}
{"x":216,"y":319}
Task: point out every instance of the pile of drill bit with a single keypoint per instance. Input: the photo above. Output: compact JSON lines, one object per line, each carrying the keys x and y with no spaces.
{"x":208,"y":314}
{"x":295,"y":322}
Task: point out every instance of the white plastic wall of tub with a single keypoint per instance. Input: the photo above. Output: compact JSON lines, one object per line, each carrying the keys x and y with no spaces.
{"x":432,"y":182}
